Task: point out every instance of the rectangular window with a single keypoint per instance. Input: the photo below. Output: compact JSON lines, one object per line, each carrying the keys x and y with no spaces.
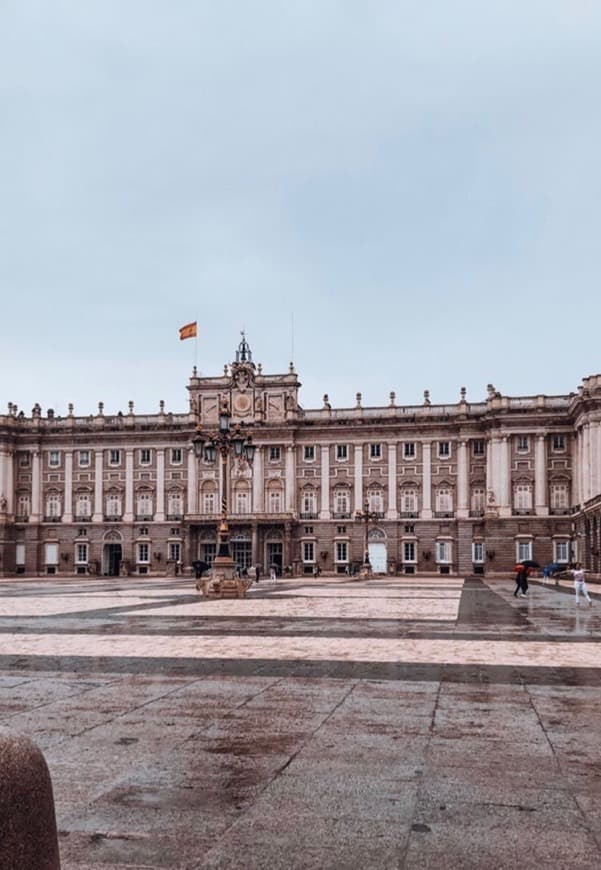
{"x":308,"y":551}
{"x":175,"y":551}
{"x":341,"y":452}
{"x":53,"y":506}
{"x":84,"y":458}
{"x":143,"y":530}
{"x":375,"y":500}
{"x":83,"y":505}
{"x":478,"y":448}
{"x":522,"y":444}
{"x":409,"y":551}
{"x":444,"y":449}
{"x":145,"y":456}
{"x":444,"y":501}
{"x":561,"y":551}
{"x":54,"y":459}
{"x":176,"y":456}
{"x":20,"y":554}
{"x":477,"y":501}
{"x":409,"y":450}
{"x":341,"y":530}
{"x":409,"y":529}
{"x":559,"y":442}
{"x":114,"y":457}
{"x":81,"y":554}
{"x":51,"y":554}
{"x":143,"y":552}
{"x":275,"y":454}
{"x":24,"y":459}
{"x":341,"y":551}
{"x":478,"y":552}
{"x":308,"y":530}
{"x":443,"y":552}
{"x":375,"y":451}
{"x":208,"y":502}
{"x":309,"y":453}
{"x":524,"y":550}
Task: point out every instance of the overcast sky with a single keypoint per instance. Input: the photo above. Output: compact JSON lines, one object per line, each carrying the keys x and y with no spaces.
{"x":401,"y":195}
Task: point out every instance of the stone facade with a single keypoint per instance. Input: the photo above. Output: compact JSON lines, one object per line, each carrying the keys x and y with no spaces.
{"x":448,"y":488}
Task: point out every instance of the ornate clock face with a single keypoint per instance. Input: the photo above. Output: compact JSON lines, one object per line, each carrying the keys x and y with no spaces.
{"x":242,"y":404}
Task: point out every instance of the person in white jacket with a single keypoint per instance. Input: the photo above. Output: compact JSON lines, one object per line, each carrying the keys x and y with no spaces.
{"x":580,"y":584}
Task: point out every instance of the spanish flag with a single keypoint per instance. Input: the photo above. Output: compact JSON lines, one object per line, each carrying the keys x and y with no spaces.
{"x":187,"y":331}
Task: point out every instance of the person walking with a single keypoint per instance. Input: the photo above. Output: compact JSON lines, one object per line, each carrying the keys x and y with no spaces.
{"x":521,"y":583}
{"x":580,"y":584}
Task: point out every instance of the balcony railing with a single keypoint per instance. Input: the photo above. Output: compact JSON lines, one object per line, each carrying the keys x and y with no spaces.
{"x":477,"y":512}
{"x":559,"y":511}
{"x":53,"y":519}
{"x":522,"y":512}
{"x":113,"y":518}
{"x":21,"y":518}
{"x":408,"y":515}
{"x":344,"y":515}
{"x":309,"y":515}
{"x":175,"y":518}
{"x":143,"y":518}
{"x":443,"y":515}
{"x":82,"y":518}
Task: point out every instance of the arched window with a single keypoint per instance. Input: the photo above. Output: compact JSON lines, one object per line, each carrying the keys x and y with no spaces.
{"x":444,"y":500}
{"x":342,"y":503}
{"x":408,"y":500}
{"x":522,"y":497}
{"x":175,"y":504}
{"x":113,"y":505}
{"x":375,"y":500}
{"x":309,"y":504}
{"x":83,"y":505}
{"x":53,"y":505}
{"x":144,"y":504}
{"x":209,"y":498}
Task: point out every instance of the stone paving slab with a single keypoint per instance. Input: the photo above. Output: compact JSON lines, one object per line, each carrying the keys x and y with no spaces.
{"x":396,"y":723}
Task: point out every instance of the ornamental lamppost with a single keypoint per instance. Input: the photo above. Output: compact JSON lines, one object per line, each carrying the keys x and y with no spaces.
{"x":227,"y":440}
{"x":366,"y":516}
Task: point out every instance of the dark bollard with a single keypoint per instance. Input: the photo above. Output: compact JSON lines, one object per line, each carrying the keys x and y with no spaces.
{"x":28,"y":838}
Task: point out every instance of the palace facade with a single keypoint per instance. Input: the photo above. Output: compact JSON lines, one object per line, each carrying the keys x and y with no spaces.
{"x":448,"y":489}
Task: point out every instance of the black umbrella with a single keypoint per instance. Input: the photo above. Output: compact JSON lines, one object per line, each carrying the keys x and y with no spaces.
{"x":529,"y":563}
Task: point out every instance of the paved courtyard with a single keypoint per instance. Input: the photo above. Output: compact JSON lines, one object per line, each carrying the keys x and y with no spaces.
{"x":392,"y":723}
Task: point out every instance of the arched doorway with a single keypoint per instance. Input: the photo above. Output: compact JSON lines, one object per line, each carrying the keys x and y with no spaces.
{"x":112,"y":554}
{"x":376,"y":545}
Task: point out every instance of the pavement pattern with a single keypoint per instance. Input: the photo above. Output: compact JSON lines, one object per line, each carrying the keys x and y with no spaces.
{"x":415,"y":722}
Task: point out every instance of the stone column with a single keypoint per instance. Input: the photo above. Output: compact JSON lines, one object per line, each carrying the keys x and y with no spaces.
{"x":576,"y":488}
{"x":192,"y":483}
{"x":98,"y":494}
{"x":68,"y":506}
{"x":586,"y":463}
{"x":392,"y":513}
{"x":541,"y":507}
{"x":325,"y":513}
{"x":128,"y":516}
{"x":159,"y":511}
{"x":505,"y":476}
{"x":10,"y":483}
{"x":254,"y":546}
{"x":358,"y":477}
{"x":290,"y":480}
{"x":6,"y":478}
{"x":426,"y":511}
{"x":258,"y":506}
{"x":36,"y":482}
{"x":462,"y":480}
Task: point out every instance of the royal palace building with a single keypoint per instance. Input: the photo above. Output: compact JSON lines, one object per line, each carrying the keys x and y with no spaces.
{"x":447,"y":489}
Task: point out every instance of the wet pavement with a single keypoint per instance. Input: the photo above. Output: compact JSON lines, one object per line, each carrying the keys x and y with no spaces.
{"x":419,"y":722}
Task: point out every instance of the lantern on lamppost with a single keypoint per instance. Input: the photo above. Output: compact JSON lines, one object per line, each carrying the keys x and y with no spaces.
{"x":226,"y":441}
{"x":366,"y":516}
